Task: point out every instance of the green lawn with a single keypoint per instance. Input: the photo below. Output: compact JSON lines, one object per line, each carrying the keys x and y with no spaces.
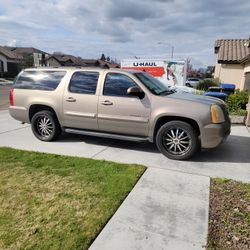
{"x":57,"y":202}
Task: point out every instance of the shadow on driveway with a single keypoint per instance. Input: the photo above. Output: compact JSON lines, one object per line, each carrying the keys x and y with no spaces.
{"x":235,"y":150}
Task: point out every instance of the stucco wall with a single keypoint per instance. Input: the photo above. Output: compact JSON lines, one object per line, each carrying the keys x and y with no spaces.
{"x":4,"y":59}
{"x":247,"y":67}
{"x":217,"y":70}
{"x":230,"y":73}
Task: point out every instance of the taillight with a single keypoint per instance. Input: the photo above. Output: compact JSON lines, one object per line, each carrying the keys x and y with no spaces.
{"x":11,"y":97}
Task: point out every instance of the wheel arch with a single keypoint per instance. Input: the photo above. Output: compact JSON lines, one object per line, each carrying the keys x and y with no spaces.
{"x":164,"y":119}
{"x":34,"y":108}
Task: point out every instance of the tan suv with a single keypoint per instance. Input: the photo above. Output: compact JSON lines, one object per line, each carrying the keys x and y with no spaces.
{"x":127,"y":105}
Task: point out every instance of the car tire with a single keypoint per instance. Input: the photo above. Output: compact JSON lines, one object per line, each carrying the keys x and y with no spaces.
{"x":45,"y":126}
{"x":177,"y":140}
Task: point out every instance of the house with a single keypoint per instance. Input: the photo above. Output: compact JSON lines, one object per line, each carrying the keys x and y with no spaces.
{"x":13,"y":59}
{"x":107,"y":64}
{"x":233,"y":62}
{"x":57,"y":60}
{"x":31,"y":56}
{"x":9,"y":62}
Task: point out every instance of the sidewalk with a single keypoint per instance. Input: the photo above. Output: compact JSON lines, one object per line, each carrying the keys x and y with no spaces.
{"x":165,"y":210}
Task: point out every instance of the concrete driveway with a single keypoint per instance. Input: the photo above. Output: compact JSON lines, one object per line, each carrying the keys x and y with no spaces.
{"x":168,"y":207}
{"x":230,"y":160}
{"x":4,"y":96}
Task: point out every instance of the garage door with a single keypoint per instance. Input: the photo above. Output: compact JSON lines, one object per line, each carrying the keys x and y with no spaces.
{"x":247,"y":81}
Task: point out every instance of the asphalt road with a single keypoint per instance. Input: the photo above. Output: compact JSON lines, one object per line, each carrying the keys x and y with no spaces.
{"x":4,"y":96}
{"x":230,"y":160}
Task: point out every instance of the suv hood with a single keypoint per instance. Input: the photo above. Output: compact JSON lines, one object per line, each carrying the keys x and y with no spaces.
{"x":196,"y":98}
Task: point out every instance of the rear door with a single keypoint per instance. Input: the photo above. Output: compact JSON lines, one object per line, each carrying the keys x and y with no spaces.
{"x":119,"y":112}
{"x":80,"y":101}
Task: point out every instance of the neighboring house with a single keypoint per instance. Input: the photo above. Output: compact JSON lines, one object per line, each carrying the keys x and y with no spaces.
{"x":13,"y":59}
{"x":38,"y":57}
{"x":57,"y":60}
{"x":107,"y":64}
{"x":9,"y":62}
{"x":233,"y":62}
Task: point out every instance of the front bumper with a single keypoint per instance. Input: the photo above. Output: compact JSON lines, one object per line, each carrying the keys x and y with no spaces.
{"x":213,"y":135}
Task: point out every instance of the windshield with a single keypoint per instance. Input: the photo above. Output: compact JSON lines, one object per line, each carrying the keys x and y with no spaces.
{"x":153,"y":85}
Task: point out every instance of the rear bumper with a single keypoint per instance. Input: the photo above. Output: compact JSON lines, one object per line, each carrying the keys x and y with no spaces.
{"x":213,"y":135}
{"x":19,"y":113}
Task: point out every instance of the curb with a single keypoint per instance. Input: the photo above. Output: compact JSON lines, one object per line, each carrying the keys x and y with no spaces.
{"x":237,"y":119}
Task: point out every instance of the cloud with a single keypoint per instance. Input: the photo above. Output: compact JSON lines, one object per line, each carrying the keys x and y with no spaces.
{"x":12,"y":43}
{"x":131,"y":9}
{"x":123,"y":29}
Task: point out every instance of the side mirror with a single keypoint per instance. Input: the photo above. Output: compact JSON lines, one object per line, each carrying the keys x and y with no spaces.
{"x":135,"y":91}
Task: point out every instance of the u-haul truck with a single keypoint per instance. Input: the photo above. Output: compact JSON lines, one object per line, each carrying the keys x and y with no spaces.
{"x":170,"y":72}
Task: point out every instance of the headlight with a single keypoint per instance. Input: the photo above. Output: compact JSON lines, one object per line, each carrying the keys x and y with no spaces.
{"x":217,"y":114}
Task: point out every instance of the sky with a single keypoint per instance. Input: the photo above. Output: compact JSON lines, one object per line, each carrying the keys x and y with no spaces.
{"x":124,"y":29}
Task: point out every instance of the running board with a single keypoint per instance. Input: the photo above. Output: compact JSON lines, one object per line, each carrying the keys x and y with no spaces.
{"x":106,"y":135}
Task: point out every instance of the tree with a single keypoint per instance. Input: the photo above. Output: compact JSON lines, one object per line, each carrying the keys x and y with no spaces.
{"x":189,"y":67}
{"x":103,"y":58}
{"x":27,"y":62}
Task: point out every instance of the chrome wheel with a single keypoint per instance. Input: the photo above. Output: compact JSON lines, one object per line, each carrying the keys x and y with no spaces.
{"x":177,"y":141}
{"x":44,"y":126}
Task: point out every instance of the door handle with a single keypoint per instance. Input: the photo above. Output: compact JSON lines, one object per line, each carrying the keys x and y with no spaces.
{"x":71,"y":99}
{"x":107,"y":102}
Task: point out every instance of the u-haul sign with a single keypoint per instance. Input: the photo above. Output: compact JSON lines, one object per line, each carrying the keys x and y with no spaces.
{"x":169,"y":72}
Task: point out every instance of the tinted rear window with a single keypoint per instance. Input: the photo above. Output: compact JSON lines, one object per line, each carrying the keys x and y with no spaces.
{"x":42,"y":80}
{"x":84,"y":82}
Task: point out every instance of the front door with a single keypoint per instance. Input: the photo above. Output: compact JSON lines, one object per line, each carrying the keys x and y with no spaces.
{"x":119,"y":112}
{"x":80,"y":101}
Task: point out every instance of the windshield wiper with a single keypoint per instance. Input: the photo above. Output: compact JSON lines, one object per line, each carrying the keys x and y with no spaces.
{"x":167,"y":92}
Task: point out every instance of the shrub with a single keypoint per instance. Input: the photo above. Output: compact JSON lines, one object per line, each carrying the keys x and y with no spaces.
{"x":206,"y":83}
{"x":236,"y":102}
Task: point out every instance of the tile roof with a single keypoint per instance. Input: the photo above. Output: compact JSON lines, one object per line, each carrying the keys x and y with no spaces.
{"x":232,"y":50}
{"x":69,"y":59}
{"x":9,"y":54}
{"x":106,"y":64}
{"x":78,"y":61}
{"x":24,"y":51}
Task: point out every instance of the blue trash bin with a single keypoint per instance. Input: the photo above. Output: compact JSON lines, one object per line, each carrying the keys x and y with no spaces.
{"x":219,"y":95}
{"x":227,"y":88}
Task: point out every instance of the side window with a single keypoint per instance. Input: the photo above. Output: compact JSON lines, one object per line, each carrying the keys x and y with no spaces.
{"x":41,"y":80}
{"x":84,"y":82}
{"x":117,"y":85}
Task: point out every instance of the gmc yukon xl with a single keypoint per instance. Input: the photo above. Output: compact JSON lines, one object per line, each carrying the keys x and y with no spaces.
{"x":114,"y":103}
